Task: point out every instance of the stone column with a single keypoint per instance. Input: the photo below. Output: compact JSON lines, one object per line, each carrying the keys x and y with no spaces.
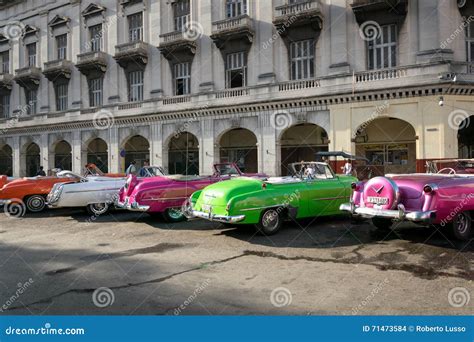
{"x":77,"y":162}
{"x":16,"y":155}
{"x":338,"y":38}
{"x":114,"y":150}
{"x":44,"y":153}
{"x":156,"y":145}
{"x":207,"y":152}
{"x":269,"y":156}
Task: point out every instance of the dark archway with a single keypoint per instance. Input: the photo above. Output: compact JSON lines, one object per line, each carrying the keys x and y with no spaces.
{"x":466,"y":138}
{"x":301,"y":142}
{"x":97,"y":154}
{"x":6,"y":160}
{"x":63,"y":156}
{"x":136,"y":148}
{"x":33,"y":159}
{"x":239,"y":145}
{"x":183,"y":155}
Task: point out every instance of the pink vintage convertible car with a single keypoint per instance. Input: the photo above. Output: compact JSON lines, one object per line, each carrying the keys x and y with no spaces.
{"x":166,"y":194}
{"x":440,"y":199}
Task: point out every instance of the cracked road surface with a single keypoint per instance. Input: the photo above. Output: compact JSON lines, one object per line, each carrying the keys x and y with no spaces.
{"x":326,"y":266}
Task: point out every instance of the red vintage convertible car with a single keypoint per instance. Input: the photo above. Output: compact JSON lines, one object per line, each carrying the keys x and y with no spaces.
{"x":425,"y":199}
{"x":166,"y":194}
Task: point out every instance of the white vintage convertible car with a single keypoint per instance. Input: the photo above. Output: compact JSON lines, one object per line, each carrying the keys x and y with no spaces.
{"x":96,"y":193}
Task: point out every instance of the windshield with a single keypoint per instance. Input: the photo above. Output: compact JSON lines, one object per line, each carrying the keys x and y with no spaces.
{"x":451,"y":166}
{"x":151,"y":171}
{"x":311,"y":170}
{"x":227,"y":169}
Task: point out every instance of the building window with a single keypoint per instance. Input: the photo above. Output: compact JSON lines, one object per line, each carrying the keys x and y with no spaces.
{"x":95,"y":36}
{"x":5,"y":62}
{"x":135,"y":27}
{"x":302,"y":59}
{"x":61,"y":45}
{"x":234,"y":8}
{"x":61,"y":96}
{"x":31,"y":54}
{"x":382,"y":51}
{"x":135,"y":86}
{"x":470,"y":44}
{"x":31,"y":99}
{"x":181,"y":12}
{"x":182,"y":78}
{"x":5,"y":106}
{"x":236,"y":70}
{"x":95,"y":92}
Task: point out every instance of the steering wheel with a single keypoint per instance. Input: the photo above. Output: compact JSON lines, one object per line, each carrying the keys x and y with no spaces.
{"x":450,"y":169}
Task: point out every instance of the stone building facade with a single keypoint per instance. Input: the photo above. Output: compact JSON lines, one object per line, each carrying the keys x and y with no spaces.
{"x":187,"y":83}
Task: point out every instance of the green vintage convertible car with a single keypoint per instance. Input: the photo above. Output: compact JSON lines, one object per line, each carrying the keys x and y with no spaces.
{"x":312,"y":190}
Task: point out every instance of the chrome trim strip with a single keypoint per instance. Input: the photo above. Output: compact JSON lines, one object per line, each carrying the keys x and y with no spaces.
{"x":218,"y":218}
{"x":329,"y":198}
{"x":78,"y":191}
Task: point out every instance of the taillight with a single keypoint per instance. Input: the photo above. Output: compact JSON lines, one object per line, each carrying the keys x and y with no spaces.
{"x":264,"y":186}
{"x":428,"y":189}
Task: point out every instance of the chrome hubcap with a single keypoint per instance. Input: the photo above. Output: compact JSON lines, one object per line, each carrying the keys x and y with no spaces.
{"x":35,"y":203}
{"x":175,"y":213}
{"x":99,"y":208}
{"x":270,"y":219}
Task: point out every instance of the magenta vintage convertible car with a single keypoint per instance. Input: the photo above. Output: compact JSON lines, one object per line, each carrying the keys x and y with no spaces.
{"x":166,"y":194}
{"x":439,"y":199}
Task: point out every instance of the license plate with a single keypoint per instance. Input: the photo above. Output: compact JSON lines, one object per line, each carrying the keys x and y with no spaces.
{"x":377,"y":200}
{"x":206,"y":208}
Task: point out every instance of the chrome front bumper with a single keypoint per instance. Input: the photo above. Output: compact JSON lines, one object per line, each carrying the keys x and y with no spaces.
{"x":218,"y":218}
{"x":134,"y":206}
{"x":400,"y":215}
{"x":3,"y":202}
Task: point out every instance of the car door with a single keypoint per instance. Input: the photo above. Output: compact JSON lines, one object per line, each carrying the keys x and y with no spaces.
{"x":326,"y":195}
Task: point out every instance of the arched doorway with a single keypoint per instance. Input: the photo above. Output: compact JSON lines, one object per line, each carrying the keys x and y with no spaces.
{"x":33,"y":158}
{"x":466,"y":138}
{"x":63,"y":156}
{"x":239,"y":145}
{"x":389,"y":144}
{"x":6,"y":160}
{"x":183,"y":155}
{"x":97,"y":154}
{"x":136,"y":148}
{"x":301,"y":142}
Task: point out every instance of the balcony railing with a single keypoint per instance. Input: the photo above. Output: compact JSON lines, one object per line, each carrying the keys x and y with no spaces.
{"x":379,"y":75}
{"x":136,"y":51}
{"x":176,"y":99}
{"x":296,"y":85}
{"x":296,"y":8}
{"x":91,"y":61}
{"x":232,"y":93}
{"x":172,"y":37}
{"x":231,"y":24}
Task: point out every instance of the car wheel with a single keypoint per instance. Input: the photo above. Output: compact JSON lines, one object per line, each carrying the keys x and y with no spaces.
{"x":97,"y":209}
{"x":462,"y":226}
{"x":270,"y":222}
{"x":382,"y":223}
{"x":35,"y":203}
{"x":174,"y":215}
